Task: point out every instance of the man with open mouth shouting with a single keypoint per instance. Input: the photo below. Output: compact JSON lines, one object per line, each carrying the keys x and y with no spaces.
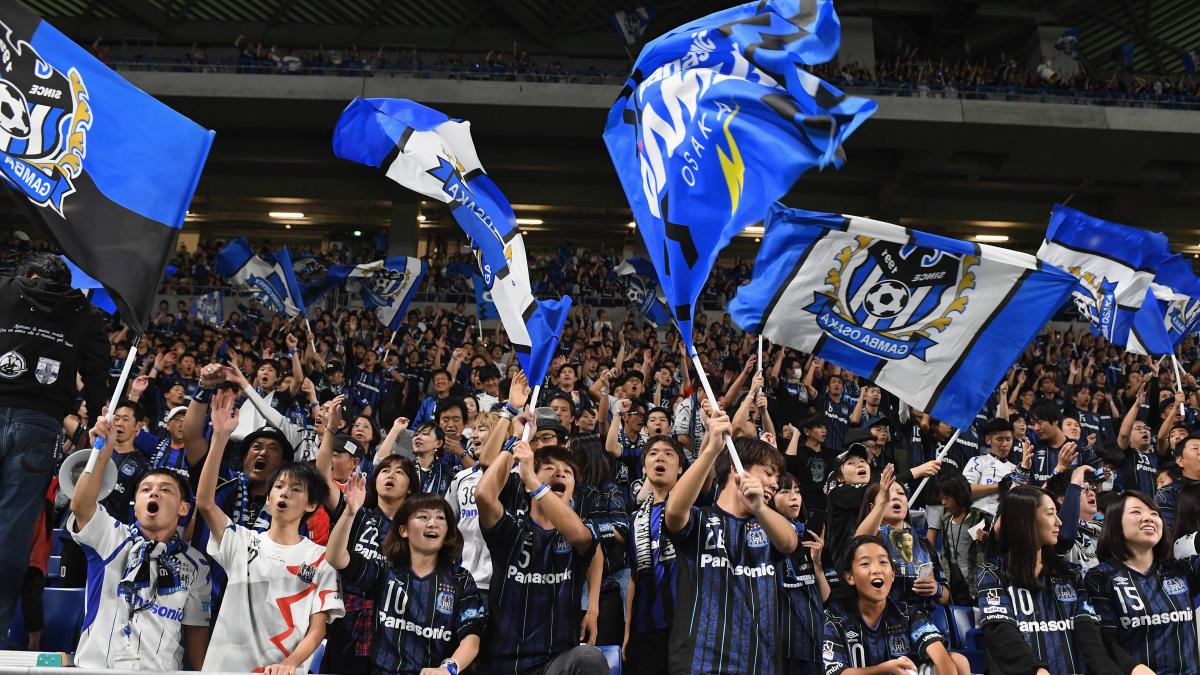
{"x":153,"y":601}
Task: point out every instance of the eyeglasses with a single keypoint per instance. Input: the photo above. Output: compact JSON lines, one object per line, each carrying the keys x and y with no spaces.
{"x":635,"y":413}
{"x":547,"y":437}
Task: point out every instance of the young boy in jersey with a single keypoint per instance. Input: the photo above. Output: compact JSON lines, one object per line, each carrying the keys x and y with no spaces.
{"x":872,"y":634}
{"x":651,"y":605}
{"x":153,"y":601}
{"x":985,"y":472}
{"x":281,"y":592}
{"x":726,"y":613}
{"x":540,"y":560}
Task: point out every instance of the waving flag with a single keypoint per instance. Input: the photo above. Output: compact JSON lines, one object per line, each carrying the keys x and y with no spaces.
{"x":209,"y":308}
{"x":935,"y":321}
{"x":271,"y":282}
{"x":427,"y":152}
{"x":313,"y":278}
{"x":386,"y":286}
{"x":717,"y":121}
{"x":485,"y":308}
{"x":1171,"y":309}
{"x":108,"y":170}
{"x":642,"y":290}
{"x":631,"y":25}
{"x":1114,"y":264}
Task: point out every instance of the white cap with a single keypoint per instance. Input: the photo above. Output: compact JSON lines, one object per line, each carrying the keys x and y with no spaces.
{"x":177,"y":410}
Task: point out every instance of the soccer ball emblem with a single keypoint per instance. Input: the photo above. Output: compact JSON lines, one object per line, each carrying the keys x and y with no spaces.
{"x":886,"y":299}
{"x":14,"y":117}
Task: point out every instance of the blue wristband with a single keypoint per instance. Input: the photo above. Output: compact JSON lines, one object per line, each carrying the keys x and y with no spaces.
{"x":203,"y":395}
{"x":509,"y":407}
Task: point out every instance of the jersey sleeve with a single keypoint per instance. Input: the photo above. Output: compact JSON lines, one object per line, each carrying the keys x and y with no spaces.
{"x":362,"y":575}
{"x":471,"y":618}
{"x":994,"y":602}
{"x":197,"y":611}
{"x":1098,"y":588}
{"x":501,"y":537}
{"x":971,"y":471}
{"x":922,"y":633}
{"x":235,"y":539}
{"x":103,"y":533}
{"x":1083,"y":609}
{"x":686,"y":536}
{"x":834,"y":654}
{"x":329,"y":594}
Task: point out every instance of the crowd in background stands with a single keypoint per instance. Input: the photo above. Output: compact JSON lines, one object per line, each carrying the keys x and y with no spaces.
{"x":1054,"y":513}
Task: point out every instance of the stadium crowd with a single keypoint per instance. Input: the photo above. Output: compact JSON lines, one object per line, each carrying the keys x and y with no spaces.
{"x":409,"y":505}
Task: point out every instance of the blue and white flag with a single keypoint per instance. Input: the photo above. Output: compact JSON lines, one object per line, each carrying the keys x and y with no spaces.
{"x":1114,"y":264}
{"x":642,"y":290}
{"x":312,"y":276}
{"x":270,"y":282}
{"x":485,"y":308}
{"x":209,"y":308}
{"x":429,"y":153}
{"x":107,"y":169}
{"x":719,"y":120}
{"x":935,"y":321}
{"x":1171,"y":309}
{"x":386,"y":286}
{"x":631,"y":24}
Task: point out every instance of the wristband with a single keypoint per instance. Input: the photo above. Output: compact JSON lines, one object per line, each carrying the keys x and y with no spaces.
{"x":508,"y":408}
{"x":451,"y":666}
{"x":291,"y":353}
{"x":203,"y":394}
{"x":540,"y":492}
{"x":508,"y":445}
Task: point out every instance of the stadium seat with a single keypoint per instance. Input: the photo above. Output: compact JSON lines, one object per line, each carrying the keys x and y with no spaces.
{"x":612,"y":653}
{"x":64,"y":618}
{"x":315,"y":665}
{"x":939,"y":619}
{"x":56,"y":541}
{"x":964,"y":622}
{"x":54,"y":567}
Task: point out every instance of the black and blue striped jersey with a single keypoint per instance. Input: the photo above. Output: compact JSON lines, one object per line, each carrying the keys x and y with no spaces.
{"x":848,"y":642}
{"x":419,"y":621}
{"x":726,"y":609}
{"x":1046,"y":617}
{"x":1151,"y":612}
{"x":534,"y":596}
{"x":801,"y":613}
{"x":653,"y":561}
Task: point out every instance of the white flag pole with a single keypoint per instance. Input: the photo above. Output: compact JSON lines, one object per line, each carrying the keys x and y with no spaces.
{"x":760,"y":363}
{"x":1178,"y":381}
{"x":712,"y":399}
{"x":533,"y":397}
{"x":940,"y":456}
{"x":116,"y":398}
{"x":391,"y":341}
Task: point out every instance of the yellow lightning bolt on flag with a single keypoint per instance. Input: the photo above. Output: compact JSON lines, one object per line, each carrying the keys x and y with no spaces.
{"x":732,"y":165}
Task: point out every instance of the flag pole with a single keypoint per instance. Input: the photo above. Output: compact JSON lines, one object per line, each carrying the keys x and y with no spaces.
{"x":712,"y":399}
{"x":479,"y":323}
{"x":1178,"y":382}
{"x":940,"y":456}
{"x":537,"y":389}
{"x":760,"y":363}
{"x":390,"y":342}
{"x":116,"y":397}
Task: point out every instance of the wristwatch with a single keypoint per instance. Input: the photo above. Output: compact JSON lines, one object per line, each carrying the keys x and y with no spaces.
{"x":451,"y":666}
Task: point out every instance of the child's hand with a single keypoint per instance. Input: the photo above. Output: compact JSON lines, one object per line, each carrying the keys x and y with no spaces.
{"x":279,"y":669}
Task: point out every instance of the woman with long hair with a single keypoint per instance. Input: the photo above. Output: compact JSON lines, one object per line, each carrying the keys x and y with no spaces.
{"x":428,"y":613}
{"x":1036,"y":617}
{"x":884,"y":514}
{"x":803,"y":588}
{"x":1187,"y":520}
{"x":1143,"y":597}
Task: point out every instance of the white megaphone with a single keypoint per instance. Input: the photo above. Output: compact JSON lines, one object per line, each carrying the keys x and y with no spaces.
{"x":73,"y":468}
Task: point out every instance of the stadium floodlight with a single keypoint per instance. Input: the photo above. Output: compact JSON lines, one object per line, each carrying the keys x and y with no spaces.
{"x":286,"y":215}
{"x":991,"y":238}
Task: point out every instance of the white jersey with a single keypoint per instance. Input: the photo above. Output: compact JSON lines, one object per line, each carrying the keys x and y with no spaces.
{"x":475,"y":556}
{"x":155,"y":630}
{"x":987,"y":469}
{"x":272,"y":592}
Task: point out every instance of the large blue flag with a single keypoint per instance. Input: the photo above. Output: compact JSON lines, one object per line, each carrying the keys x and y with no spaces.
{"x":719,"y":120}
{"x":386,"y":286}
{"x":426,"y":151}
{"x":1171,"y":309}
{"x":95,"y":291}
{"x":271,"y":282}
{"x":313,"y":277}
{"x":209,"y":308}
{"x":935,"y":321}
{"x":107,"y":169}
{"x":485,"y":308}
{"x":642,"y":289}
{"x":1114,"y":264}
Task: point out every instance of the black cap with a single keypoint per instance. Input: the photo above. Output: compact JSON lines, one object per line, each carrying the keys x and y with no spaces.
{"x":881,"y":421}
{"x":289,"y":453}
{"x":332,"y":366}
{"x":857,"y":437}
{"x":346,"y":443}
{"x":856,"y":450}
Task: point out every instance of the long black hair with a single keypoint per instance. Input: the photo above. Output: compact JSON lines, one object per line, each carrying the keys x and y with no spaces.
{"x":1187,"y":510}
{"x":593,"y":461}
{"x":1112,"y":542}
{"x":1017,"y":542}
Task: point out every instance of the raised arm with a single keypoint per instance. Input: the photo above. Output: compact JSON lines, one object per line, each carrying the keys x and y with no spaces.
{"x":612,"y":442}
{"x":487,"y":492}
{"x":297,"y":368}
{"x":224,"y":421}
{"x":194,"y":443}
{"x":337,"y":550}
{"x":742,"y":414}
{"x":681,"y":499}
{"x":325,"y":452}
{"x":874,"y":518}
{"x":87,"y":488}
{"x":1130,"y":417}
{"x":561,"y":516}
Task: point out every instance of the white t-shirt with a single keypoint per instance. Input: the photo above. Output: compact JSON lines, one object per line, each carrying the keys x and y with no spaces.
{"x":475,"y":556}
{"x":271,"y":593}
{"x":156,"y":631}
{"x":987,"y":470}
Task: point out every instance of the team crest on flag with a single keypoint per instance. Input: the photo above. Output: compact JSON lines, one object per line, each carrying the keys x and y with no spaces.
{"x":888,"y":299}
{"x":1095,"y":298}
{"x":386,"y":285}
{"x":44,"y":120}
{"x":47,"y":370}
